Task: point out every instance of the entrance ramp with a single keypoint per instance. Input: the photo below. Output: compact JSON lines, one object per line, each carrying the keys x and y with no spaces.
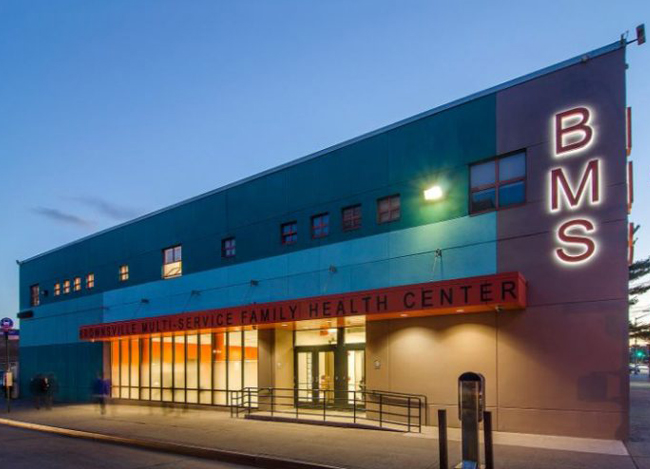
{"x":369,"y":409}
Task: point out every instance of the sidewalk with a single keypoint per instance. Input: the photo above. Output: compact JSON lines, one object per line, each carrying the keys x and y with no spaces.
{"x":344,"y":447}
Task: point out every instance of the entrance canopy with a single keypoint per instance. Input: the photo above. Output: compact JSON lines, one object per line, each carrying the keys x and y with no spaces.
{"x":506,"y":291}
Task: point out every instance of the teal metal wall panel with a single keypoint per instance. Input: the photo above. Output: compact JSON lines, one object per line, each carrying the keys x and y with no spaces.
{"x":396,"y":258}
{"x":405,"y":160}
{"x":73,"y":365}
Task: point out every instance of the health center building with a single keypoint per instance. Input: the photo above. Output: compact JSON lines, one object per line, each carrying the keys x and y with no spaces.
{"x":489,"y":234}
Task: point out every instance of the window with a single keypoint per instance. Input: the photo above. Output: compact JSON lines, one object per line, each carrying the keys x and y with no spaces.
{"x":57,"y":289}
{"x":172,"y":262}
{"x":123,"y":273}
{"x":498,"y":183}
{"x":77,"y":284}
{"x":66,"y":287}
{"x":388,"y":209}
{"x":289,"y":232}
{"x":188,"y":368}
{"x":90,"y":281}
{"x":34,"y":295}
{"x":228,"y":247}
{"x":351,"y":217}
{"x":320,"y":225}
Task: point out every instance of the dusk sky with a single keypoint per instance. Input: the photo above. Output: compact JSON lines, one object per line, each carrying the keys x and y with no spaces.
{"x":112,"y":109}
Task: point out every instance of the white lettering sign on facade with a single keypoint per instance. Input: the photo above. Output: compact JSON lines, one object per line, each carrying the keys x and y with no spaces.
{"x":574,"y":134}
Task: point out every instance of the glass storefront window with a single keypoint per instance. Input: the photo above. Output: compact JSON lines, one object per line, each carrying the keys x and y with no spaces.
{"x":317,"y":337}
{"x":234,"y":361}
{"x":192,"y":368}
{"x":205,"y":369}
{"x":135,"y":368}
{"x":355,"y":335}
{"x":167,"y":360}
{"x":156,"y":368}
{"x":220,"y":356}
{"x":145,"y":378}
{"x":179,"y":368}
{"x":124,"y":368}
{"x":188,"y":368}
{"x":115,"y":368}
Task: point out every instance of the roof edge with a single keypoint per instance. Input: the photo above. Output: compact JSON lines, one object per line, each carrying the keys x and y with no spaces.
{"x":505,"y":85}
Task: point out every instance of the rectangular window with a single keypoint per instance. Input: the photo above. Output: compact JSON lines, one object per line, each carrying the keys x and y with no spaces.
{"x":351,"y":217}
{"x":320,"y":225}
{"x":123,"y":273}
{"x":228,"y":247}
{"x":388,"y":209}
{"x":57,"y":289}
{"x":90,"y":281}
{"x":289,"y":232}
{"x":172,"y":262}
{"x":498,"y":183}
{"x":77,"y":283}
{"x":66,"y":287}
{"x":35,"y":295}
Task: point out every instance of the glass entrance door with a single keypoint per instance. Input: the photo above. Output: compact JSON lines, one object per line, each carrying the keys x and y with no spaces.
{"x":315,"y":376}
{"x":329,"y":366}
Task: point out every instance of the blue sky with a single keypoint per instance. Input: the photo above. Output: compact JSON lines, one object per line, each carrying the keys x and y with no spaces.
{"x":113,"y":109}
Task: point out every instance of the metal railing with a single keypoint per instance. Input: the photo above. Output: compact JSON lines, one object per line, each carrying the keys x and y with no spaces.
{"x":383,"y":409}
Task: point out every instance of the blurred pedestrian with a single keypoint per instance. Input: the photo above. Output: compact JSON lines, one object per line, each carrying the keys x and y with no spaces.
{"x":101,"y":392}
{"x":36,"y":386}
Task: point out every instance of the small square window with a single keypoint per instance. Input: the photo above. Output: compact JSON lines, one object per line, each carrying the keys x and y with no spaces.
{"x":35,"y":295}
{"x":123,"y":273}
{"x":320,"y":225}
{"x":289,"y":232}
{"x":66,"y":287}
{"x":351,"y":217}
{"x":57,"y":289}
{"x":77,"y":284}
{"x":172,"y":262}
{"x":228,"y":247}
{"x":90,"y":281}
{"x":388,"y":209}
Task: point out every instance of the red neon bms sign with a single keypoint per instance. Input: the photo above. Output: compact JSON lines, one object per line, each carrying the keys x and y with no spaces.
{"x":574,"y":135}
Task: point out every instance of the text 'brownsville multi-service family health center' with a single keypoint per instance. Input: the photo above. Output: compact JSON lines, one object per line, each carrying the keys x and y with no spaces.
{"x":487,"y":235}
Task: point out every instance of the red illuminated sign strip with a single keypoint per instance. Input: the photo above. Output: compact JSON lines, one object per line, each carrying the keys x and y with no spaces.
{"x":485,"y":293}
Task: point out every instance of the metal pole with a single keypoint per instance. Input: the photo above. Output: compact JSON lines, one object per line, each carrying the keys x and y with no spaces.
{"x":442,"y":439}
{"x":487,"y":435}
{"x":354,"y":406}
{"x":7,"y":371}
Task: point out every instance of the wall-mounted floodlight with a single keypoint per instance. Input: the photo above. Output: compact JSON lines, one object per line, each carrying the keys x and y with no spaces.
{"x":433,"y":193}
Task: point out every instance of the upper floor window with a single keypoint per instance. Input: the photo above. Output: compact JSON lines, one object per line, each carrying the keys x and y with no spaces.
{"x":66,"y":286}
{"x":498,"y":183}
{"x":34,"y":295}
{"x":90,"y":281}
{"x":320,"y":225}
{"x":77,"y":283}
{"x":123,"y":273}
{"x":228,"y":247}
{"x":289,"y":232}
{"x":57,"y":289}
{"x":351,"y":217}
{"x":172,"y":262}
{"x":388,"y":209}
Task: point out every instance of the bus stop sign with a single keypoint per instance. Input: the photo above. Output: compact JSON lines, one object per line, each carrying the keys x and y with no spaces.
{"x":6,"y":324}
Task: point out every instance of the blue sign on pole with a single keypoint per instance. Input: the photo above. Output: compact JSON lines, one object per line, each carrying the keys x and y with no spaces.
{"x":6,"y":324}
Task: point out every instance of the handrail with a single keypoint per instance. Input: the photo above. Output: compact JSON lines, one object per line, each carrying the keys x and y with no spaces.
{"x":385,"y":409}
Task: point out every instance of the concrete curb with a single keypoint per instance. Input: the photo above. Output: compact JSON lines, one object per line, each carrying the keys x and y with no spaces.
{"x":253,"y":460}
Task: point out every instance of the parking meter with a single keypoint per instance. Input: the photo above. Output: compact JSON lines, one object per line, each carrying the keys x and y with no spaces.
{"x":471,"y":405}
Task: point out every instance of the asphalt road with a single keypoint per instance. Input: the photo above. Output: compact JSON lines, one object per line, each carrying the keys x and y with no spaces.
{"x":25,"y":449}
